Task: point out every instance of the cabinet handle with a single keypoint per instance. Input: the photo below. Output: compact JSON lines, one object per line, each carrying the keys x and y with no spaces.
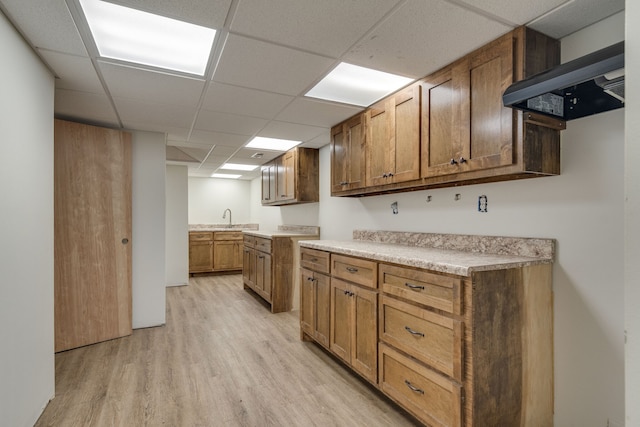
{"x":453,"y":162}
{"x":346,"y":292}
{"x":413,"y":388}
{"x":412,"y":332}
{"x":344,"y":182}
{"x":384,"y":175}
{"x":462,"y":160}
{"x":352,"y":269}
{"x":410,"y":286}
{"x":390,"y":174}
{"x":261,"y":256}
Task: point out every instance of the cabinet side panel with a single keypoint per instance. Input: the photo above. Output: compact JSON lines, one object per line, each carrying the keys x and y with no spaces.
{"x":497,"y":348}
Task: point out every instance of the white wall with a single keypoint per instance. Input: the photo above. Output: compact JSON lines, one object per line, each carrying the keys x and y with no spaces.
{"x":148,"y":217}
{"x":209,"y":197}
{"x":582,"y":209}
{"x":269,"y":217}
{"x":26,"y":232}
{"x":632,"y":212}
{"x":177,"y":226}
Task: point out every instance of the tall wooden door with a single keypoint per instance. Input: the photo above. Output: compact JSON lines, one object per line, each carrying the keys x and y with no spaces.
{"x":92,"y":233}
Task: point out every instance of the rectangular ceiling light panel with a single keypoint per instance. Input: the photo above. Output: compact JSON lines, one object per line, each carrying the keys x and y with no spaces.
{"x":238,"y":167}
{"x":272,"y":144}
{"x":351,"y":84}
{"x":139,"y":37}
{"x":225,"y":175}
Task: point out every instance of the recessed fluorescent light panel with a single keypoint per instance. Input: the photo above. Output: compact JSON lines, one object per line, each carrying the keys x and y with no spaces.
{"x":351,"y":84}
{"x":225,"y":175}
{"x":273,"y":144}
{"x":238,"y":167}
{"x":134,"y":36}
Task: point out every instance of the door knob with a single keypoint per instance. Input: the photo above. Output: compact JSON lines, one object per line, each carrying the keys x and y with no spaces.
{"x":125,"y":241}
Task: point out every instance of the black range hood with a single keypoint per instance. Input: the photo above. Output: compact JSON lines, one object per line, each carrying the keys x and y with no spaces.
{"x":588,"y":85}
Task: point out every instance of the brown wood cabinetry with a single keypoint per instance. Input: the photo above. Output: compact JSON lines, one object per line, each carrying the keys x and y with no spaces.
{"x":200,"y":252}
{"x":315,"y":295}
{"x":213,"y":251}
{"x":291,"y":178}
{"x":393,"y":138}
{"x":465,"y":134}
{"x":268,"y":269}
{"x":452,"y":350}
{"x":227,"y":250}
{"x":348,"y":155}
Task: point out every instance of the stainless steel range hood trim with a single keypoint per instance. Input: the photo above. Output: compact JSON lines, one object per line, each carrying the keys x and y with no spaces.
{"x":566,"y":75}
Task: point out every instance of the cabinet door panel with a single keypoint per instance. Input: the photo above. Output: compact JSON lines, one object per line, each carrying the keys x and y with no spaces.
{"x":307,"y":302}
{"x":364,"y":357}
{"x":378,"y":144}
{"x":224,"y":255}
{"x":263,"y":274}
{"x":490,"y":73}
{"x":406,"y":147}
{"x":347,"y":155}
{"x":445,"y":120}
{"x":356,"y":169}
{"x":248,"y":266}
{"x":200,"y":256}
{"x":322,"y":308}
{"x":341,"y":321}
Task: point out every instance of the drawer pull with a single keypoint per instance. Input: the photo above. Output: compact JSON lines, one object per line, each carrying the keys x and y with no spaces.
{"x":413,"y":388}
{"x":314,"y":259}
{"x":352,"y":269}
{"x":412,"y":332}
{"x":261,"y":256}
{"x":415,"y":287}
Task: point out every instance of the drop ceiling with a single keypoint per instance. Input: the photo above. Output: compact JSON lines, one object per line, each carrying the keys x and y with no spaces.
{"x":266,"y":56}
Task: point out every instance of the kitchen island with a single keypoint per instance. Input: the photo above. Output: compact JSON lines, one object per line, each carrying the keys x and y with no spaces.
{"x":271,"y":262}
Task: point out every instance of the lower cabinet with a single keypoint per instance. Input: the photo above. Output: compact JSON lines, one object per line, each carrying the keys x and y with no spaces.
{"x":268,"y":270}
{"x":452,"y":350}
{"x":354,"y":330}
{"x":200,"y":252}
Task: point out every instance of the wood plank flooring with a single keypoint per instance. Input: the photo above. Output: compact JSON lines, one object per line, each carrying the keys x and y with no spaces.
{"x":222,"y":359}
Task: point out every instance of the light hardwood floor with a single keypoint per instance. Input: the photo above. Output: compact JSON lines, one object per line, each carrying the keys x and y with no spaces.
{"x":221,"y":360}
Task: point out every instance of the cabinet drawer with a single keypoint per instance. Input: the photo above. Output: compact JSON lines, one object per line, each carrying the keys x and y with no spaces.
{"x":227,"y":235}
{"x":200,"y":236}
{"x":432,"y":398}
{"x":249,"y":241}
{"x":429,"y":337}
{"x":314,"y":260}
{"x":263,"y":245}
{"x":434,"y":290}
{"x":354,"y":270}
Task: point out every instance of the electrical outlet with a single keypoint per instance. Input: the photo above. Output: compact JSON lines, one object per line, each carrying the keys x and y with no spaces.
{"x":394,"y":208}
{"x":483,"y":204}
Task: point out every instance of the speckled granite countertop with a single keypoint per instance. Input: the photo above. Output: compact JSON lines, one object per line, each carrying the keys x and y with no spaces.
{"x":446,"y":253}
{"x":222,"y":227}
{"x":287,"y":231}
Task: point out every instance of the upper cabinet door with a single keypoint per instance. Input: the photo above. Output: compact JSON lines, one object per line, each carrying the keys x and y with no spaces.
{"x":445,"y":119}
{"x":491,"y":71}
{"x":347,"y":155}
{"x":405,"y":153}
{"x":379,"y":122}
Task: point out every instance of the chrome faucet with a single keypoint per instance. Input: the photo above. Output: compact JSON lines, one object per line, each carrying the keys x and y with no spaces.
{"x":224,"y":215}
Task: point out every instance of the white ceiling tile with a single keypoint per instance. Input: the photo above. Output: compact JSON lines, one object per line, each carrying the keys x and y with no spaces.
{"x":217,"y":138}
{"x":197,"y":153}
{"x":74,"y":72}
{"x":47,"y":24}
{"x":179,"y":155}
{"x":327,"y":27}
{"x":267,"y":155}
{"x":201,"y":12}
{"x":319,"y":141}
{"x":175,"y":133}
{"x":293,"y":131}
{"x":259,"y":65}
{"x":423,"y":36}
{"x":223,"y":150}
{"x":316,"y":113}
{"x":516,"y":12}
{"x":228,"y":123}
{"x":151,"y":86}
{"x":575,"y":15}
{"x":154,"y":117}
{"x":240,"y":100}
{"x":84,"y":106}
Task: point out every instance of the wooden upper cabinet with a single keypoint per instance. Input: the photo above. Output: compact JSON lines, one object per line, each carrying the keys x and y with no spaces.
{"x":268,"y":172}
{"x":451,"y":127}
{"x":291,"y":178}
{"x":393,"y":138}
{"x":348,"y":155}
{"x":445,"y":119}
